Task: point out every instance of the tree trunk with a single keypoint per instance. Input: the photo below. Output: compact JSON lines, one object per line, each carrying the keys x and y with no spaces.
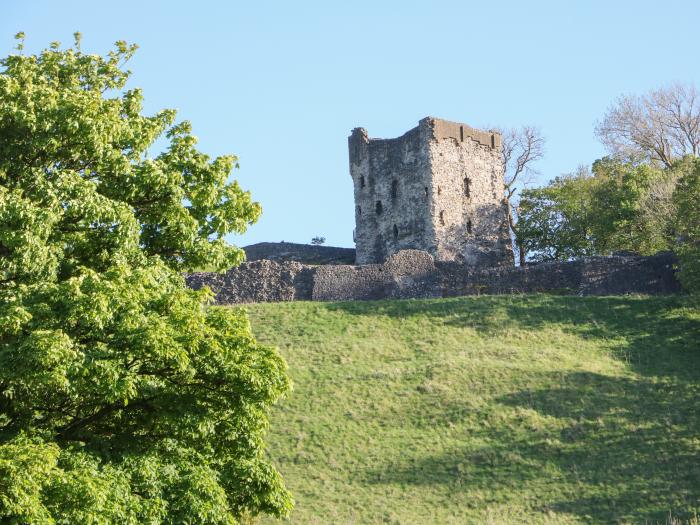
{"x":518,"y":245}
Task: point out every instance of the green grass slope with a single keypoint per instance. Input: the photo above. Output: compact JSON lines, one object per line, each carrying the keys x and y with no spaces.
{"x":509,"y":409}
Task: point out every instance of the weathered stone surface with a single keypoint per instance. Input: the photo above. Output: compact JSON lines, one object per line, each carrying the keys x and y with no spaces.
{"x":406,"y":274}
{"x":562,"y":277}
{"x":614,"y":275}
{"x":258,"y":281}
{"x":338,"y":283}
{"x":412,"y":274}
{"x":437,"y":188}
{"x":619,"y":274}
{"x":415,"y":274}
{"x":303,"y":253}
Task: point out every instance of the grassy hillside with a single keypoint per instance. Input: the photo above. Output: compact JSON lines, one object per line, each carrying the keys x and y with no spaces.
{"x":525,"y":409}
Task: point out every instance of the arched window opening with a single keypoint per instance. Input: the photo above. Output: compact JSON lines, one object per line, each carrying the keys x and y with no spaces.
{"x":469,"y":225}
{"x":442,"y":218}
{"x":426,"y":192}
{"x":379,"y":208}
{"x":467,"y":187}
{"x":362,"y":181}
{"x":396,"y":232}
{"x":394,"y":189}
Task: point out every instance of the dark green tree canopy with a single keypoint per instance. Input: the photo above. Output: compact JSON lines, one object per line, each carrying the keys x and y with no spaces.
{"x":124,"y":397}
{"x":687,"y":222}
{"x":618,"y":207}
{"x":554,"y":222}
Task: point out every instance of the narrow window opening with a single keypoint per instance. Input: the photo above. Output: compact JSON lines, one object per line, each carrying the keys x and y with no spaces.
{"x":442,"y":218}
{"x":467,"y":187}
{"x":426,"y":192}
{"x":493,"y":141}
{"x":461,"y":133}
{"x":396,"y":232}
{"x":394,"y":189}
{"x":439,"y":190}
{"x":379,"y":207}
{"x":469,"y":225}
{"x":362,"y":181}
{"x":359,"y":210}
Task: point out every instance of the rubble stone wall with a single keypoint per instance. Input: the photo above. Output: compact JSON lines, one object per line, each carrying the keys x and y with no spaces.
{"x":468,"y":211}
{"x":437,"y":188}
{"x":303,"y":253}
{"x":415,"y":274}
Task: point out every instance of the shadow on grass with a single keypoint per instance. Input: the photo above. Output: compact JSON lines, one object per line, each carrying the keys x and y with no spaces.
{"x":654,"y":334}
{"x":620,"y":450}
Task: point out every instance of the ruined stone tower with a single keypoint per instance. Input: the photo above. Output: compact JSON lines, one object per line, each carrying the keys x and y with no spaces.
{"x":438,"y":188}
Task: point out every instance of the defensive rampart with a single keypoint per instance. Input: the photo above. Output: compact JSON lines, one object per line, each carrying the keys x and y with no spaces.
{"x":303,"y":253}
{"x":415,"y":274}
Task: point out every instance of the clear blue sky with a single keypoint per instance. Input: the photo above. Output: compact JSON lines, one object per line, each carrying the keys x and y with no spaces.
{"x":281,"y":84}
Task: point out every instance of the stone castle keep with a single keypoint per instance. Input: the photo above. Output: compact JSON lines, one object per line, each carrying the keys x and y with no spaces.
{"x":431,"y":221}
{"x":437,"y":188}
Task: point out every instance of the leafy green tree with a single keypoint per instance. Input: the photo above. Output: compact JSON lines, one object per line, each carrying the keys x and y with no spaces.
{"x":619,"y":207}
{"x":687,"y":200}
{"x":124,"y":397}
{"x":554,"y":221}
{"x":629,"y":207}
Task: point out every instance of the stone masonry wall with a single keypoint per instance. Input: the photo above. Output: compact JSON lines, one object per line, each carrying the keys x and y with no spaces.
{"x":258,"y":282}
{"x":468,"y":210}
{"x":406,"y":274}
{"x":303,"y":253}
{"x":391,"y":181}
{"x":437,"y":188}
{"x":415,"y":274}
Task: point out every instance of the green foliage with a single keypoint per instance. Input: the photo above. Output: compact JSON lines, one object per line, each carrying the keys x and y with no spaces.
{"x":620,"y":207}
{"x":554,"y":222}
{"x":123,"y":396}
{"x":687,"y":200}
{"x":630,"y":207}
{"x":58,"y":123}
{"x":529,"y":409}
